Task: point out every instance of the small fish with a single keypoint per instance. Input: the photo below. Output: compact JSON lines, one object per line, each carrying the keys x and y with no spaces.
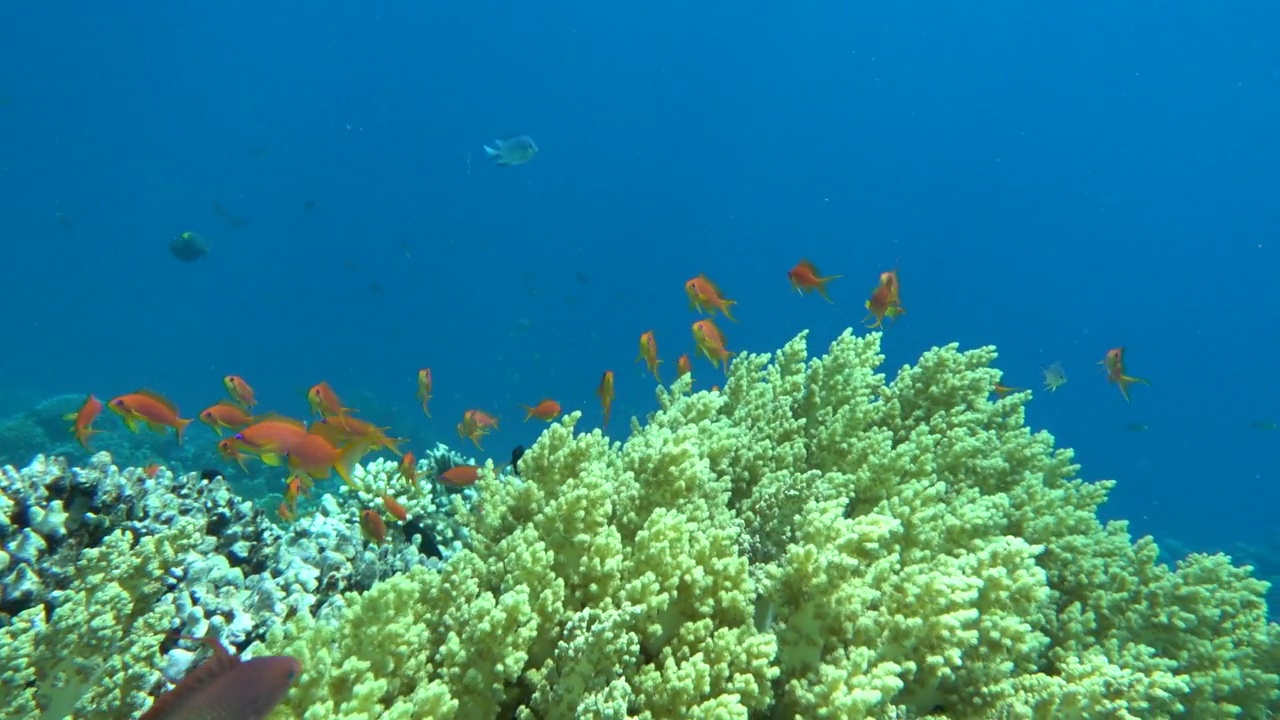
{"x":240,"y":392}
{"x":295,"y":486}
{"x":516,"y":150}
{"x":344,"y":429}
{"x":683,"y":366}
{"x":231,"y":449}
{"x":710,"y":343}
{"x":373,"y":527}
{"x":1003,"y":390}
{"x":396,"y":510}
{"x":225,"y":415}
{"x":286,"y":512}
{"x":805,"y":278}
{"x":224,"y":686}
{"x":209,"y":474}
{"x":516,"y":453}
{"x":149,"y":408}
{"x":1263,"y":425}
{"x":649,"y":353}
{"x":1054,"y":376}
{"x":705,"y":297}
{"x":188,"y":247}
{"x":884,"y":301}
{"x":475,"y":425}
{"x":82,"y":421}
{"x":1113,"y":364}
{"x":151,"y":470}
{"x":606,"y":394}
{"x":460,"y":476}
{"x":272,"y":436}
{"x":316,"y":456}
{"x":424,"y":389}
{"x":325,"y":402}
{"x":1137,"y":427}
{"x":547,"y":410}
{"x":409,"y":468}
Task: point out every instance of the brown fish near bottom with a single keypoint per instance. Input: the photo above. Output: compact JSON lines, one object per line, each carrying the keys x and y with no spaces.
{"x":224,"y":686}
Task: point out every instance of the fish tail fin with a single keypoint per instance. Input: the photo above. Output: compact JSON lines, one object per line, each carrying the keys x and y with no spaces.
{"x":822,"y":287}
{"x":393,"y":444}
{"x":724,"y":308}
{"x":345,"y":465}
{"x":180,"y":426}
{"x":490,"y":152}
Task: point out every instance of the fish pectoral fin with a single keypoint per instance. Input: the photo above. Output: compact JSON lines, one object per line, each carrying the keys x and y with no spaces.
{"x":271,"y":459}
{"x":132,"y":423}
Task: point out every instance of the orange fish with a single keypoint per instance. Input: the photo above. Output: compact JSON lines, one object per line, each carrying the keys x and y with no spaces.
{"x":547,"y":410}
{"x":475,"y":425}
{"x":373,"y":527}
{"x":605,"y":391}
{"x":295,"y":486}
{"x":884,"y":301}
{"x":230,"y":448}
{"x":705,"y":297}
{"x":225,"y":415}
{"x":149,"y":408}
{"x":711,"y":343}
{"x":396,"y":509}
{"x":325,"y":402}
{"x":409,"y":468}
{"x":460,"y":476}
{"x":683,"y":366}
{"x":151,"y":470}
{"x":1001,"y":390}
{"x":82,"y":421}
{"x":315,"y":456}
{"x":286,"y":513}
{"x":424,"y":389}
{"x":239,"y":391}
{"x":805,"y":278}
{"x":649,"y":353}
{"x":1113,"y":364}
{"x":271,"y":438}
{"x":343,"y":429}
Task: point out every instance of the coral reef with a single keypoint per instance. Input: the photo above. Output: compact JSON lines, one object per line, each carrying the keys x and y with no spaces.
{"x":99,"y":565}
{"x":810,"y":542}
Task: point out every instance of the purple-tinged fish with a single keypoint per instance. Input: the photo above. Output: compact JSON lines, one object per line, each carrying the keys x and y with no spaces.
{"x":226,"y":688}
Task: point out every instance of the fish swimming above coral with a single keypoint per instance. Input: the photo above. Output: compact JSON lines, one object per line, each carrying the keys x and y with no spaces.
{"x":224,"y":686}
{"x":516,"y":150}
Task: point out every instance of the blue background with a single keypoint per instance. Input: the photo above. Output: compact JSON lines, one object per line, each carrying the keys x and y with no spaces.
{"x":1053,"y":181}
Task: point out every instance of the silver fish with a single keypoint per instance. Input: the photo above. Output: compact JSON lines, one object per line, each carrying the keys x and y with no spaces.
{"x":516,"y":150}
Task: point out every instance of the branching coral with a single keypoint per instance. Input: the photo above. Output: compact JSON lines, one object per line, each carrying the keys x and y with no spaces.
{"x":810,"y":542}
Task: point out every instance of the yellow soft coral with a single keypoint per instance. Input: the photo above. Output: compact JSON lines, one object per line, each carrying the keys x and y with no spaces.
{"x":810,"y":542}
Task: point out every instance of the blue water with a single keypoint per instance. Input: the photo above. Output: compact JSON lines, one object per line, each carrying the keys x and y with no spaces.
{"x":1053,"y":181}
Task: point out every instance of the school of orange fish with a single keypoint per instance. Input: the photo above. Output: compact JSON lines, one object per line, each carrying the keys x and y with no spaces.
{"x":338,"y":440}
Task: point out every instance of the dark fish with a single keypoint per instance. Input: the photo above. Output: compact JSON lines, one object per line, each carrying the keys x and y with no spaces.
{"x":516,"y":454}
{"x":376,"y":288}
{"x":207,"y":474}
{"x":309,"y":205}
{"x":189,"y":247}
{"x":224,"y":686}
{"x":1264,"y":425}
{"x":1137,"y":427}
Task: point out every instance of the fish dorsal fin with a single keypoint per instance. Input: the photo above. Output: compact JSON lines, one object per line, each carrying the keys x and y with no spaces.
{"x":153,"y":395}
{"x":282,"y":419}
{"x":169,"y":705}
{"x":808,"y":265}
